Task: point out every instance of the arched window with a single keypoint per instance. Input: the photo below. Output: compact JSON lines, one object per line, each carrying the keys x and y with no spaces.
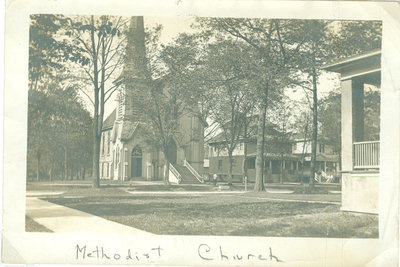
{"x":137,"y":152}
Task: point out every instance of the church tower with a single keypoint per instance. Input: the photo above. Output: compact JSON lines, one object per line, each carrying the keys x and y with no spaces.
{"x":135,"y":70}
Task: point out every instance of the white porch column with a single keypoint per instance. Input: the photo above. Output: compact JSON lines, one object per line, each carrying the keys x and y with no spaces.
{"x":352,"y":119}
{"x":347,"y":125}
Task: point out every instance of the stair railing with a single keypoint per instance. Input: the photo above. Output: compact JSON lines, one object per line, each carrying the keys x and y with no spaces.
{"x":193,"y":171}
{"x":177,"y":175}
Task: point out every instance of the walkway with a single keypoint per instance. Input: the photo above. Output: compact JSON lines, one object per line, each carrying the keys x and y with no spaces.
{"x":298,"y":199}
{"x":61,"y":219}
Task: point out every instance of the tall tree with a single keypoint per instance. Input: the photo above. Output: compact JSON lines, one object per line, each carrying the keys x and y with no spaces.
{"x":349,"y":38}
{"x":49,"y":55}
{"x":49,"y":112}
{"x":47,"y":51}
{"x":324,"y":41}
{"x":102,"y":42}
{"x":275,"y":43}
{"x":233,"y":102}
{"x":314,"y":54}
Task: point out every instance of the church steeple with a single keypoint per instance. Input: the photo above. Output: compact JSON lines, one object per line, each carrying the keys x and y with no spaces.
{"x":135,"y":64}
{"x":135,"y":69}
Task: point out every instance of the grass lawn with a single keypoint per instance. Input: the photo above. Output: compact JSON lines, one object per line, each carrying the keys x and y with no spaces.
{"x":242,"y":214}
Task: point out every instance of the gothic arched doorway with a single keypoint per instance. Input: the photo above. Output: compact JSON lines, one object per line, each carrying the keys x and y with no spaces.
{"x":136,"y":162}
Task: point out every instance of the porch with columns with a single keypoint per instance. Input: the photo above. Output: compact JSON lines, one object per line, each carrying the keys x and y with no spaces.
{"x":359,"y":157}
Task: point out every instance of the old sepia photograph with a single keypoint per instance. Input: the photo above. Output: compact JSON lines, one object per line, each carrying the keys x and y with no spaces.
{"x":183,"y":134}
{"x":220,"y":126}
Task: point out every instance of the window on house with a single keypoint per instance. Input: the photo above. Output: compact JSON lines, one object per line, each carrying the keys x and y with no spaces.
{"x":108,"y":170}
{"x":251,"y":163}
{"x":220,"y":164}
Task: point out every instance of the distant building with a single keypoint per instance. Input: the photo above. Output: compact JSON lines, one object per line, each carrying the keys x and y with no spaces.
{"x":327,"y":160}
{"x":124,"y":153}
{"x":292,"y":158}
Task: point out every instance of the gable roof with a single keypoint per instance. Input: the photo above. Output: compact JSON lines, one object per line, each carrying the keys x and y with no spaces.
{"x":128,"y":130}
{"x":109,"y":121}
{"x":252,"y":134}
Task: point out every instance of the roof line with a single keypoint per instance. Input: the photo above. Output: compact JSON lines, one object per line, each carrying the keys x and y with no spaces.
{"x":353,"y":58}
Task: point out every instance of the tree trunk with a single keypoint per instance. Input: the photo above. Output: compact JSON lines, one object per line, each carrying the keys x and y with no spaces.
{"x":96,"y":162}
{"x":97,"y":118}
{"x":51,"y":170}
{"x":244,"y":166}
{"x":259,"y":185}
{"x":38,"y":165}
{"x":281,"y":167}
{"x":230,"y":176}
{"x":302,"y":170}
{"x":314,"y":131}
{"x":65,"y":163}
{"x":303,"y":151}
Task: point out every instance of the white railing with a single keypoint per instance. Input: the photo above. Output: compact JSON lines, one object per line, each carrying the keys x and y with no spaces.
{"x":193,"y":171}
{"x":366,"y":155}
{"x":174,"y":175}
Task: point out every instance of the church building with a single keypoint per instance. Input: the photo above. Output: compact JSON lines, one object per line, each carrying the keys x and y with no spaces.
{"x":124,"y":152}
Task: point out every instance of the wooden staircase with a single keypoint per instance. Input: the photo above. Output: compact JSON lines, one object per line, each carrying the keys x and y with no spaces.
{"x":186,"y":176}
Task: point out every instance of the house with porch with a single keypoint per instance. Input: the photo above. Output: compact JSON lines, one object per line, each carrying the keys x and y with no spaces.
{"x":359,"y":156}
{"x":327,"y":159}
{"x":291,"y":161}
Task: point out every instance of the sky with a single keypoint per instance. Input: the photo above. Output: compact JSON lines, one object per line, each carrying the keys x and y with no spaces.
{"x":173,"y":26}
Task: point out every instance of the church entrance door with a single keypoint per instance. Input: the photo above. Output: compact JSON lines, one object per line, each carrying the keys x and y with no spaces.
{"x":136,"y":162}
{"x":172,"y":152}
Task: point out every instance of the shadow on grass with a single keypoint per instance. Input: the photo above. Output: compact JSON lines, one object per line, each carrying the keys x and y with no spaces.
{"x":188,"y":206}
{"x":228,"y":215}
